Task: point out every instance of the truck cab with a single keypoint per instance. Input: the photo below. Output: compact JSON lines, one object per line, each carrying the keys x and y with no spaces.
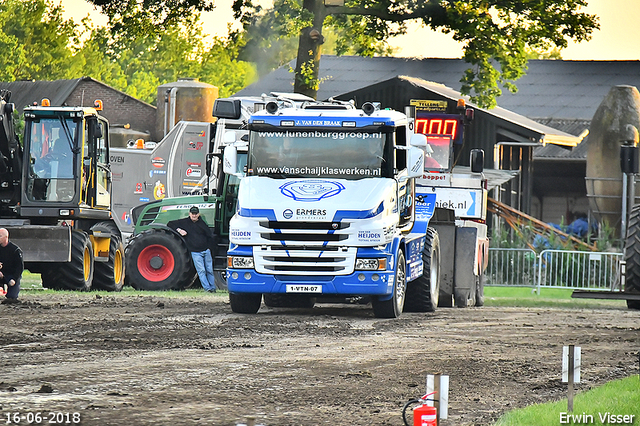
{"x":326,"y":208}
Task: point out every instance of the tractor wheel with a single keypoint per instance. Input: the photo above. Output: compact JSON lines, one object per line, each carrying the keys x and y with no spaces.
{"x":393,"y":307}
{"x":109,"y":275}
{"x":632,"y":257}
{"x":220,"y":279}
{"x":245,"y":303}
{"x":424,"y":292}
{"x":77,"y":274}
{"x":158,"y":260}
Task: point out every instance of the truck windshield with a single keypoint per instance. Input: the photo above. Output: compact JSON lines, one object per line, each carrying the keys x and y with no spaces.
{"x":332,"y":154}
{"x":51,"y":165}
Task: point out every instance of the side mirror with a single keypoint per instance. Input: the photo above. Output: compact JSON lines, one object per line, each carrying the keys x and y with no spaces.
{"x":230,"y":161}
{"x":477,"y":161}
{"x":227,"y":108}
{"x":419,"y":140}
{"x":229,"y":137}
{"x":97,"y":129}
{"x":415,"y":161}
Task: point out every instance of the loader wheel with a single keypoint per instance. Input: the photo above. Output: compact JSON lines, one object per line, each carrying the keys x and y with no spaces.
{"x":245,"y":303}
{"x":109,"y":275}
{"x":393,"y":307}
{"x":632,"y":256}
{"x":77,"y":274}
{"x":158,"y":260}
{"x":423,"y":293}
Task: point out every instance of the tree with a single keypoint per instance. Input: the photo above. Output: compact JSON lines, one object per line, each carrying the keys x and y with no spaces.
{"x":496,"y":33}
{"x":36,"y":43}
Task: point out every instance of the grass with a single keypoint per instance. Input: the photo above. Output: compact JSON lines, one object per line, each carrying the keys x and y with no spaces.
{"x":521,"y":297}
{"x":31,"y":284}
{"x":525,"y":297}
{"x":619,"y":397}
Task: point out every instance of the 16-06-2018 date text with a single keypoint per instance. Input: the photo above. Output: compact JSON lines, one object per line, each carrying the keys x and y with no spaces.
{"x":41,"y":418}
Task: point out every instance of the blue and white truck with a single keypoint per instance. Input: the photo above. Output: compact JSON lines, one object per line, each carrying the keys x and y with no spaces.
{"x":330,"y":205}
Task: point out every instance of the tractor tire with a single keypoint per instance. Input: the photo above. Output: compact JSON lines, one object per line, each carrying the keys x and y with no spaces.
{"x":423,"y":293}
{"x":75,"y":275}
{"x":277,"y":300}
{"x":109,"y":275}
{"x":158,"y":260}
{"x":245,"y":303}
{"x":220,"y":279}
{"x":632,"y":257}
{"x":393,"y":307}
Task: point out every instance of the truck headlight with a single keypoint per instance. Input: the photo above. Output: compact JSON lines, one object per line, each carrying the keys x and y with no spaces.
{"x":240,"y":262}
{"x":371,"y":264}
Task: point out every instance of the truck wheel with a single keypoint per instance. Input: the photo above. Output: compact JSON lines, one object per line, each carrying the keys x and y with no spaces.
{"x":480,"y":288}
{"x":77,"y":274}
{"x":392,"y":308}
{"x":423,"y":293}
{"x":109,"y":275}
{"x":158,"y":260}
{"x":245,"y":303}
{"x":632,"y":257}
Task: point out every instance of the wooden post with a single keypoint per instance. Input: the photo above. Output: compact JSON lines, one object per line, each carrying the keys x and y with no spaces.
{"x":570,"y":390}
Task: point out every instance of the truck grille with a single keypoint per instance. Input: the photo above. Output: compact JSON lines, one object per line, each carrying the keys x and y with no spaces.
{"x":296,"y":260}
{"x":315,"y":233}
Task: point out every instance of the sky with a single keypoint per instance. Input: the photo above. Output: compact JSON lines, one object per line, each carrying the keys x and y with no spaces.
{"x":617,"y":38}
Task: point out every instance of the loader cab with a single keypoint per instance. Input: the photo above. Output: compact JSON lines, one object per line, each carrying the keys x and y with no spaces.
{"x":66,"y":166}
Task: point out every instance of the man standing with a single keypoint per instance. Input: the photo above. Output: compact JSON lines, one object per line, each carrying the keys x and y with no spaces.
{"x":11,"y":266}
{"x":198,"y":237}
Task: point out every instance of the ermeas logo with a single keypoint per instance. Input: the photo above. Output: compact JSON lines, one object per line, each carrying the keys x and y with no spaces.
{"x":311,"y":189}
{"x":288,"y":214}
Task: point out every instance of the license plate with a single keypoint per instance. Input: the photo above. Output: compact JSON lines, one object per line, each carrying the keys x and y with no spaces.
{"x":299,"y":288}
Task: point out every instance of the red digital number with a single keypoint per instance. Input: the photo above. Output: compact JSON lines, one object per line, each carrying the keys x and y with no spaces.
{"x":437,"y":126}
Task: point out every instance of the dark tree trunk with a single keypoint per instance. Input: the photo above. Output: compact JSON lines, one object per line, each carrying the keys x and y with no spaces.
{"x":309,"y":51}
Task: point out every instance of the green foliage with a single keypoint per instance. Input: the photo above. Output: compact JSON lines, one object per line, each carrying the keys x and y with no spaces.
{"x":37,"y":44}
{"x":497,"y":35}
{"x":619,"y":397}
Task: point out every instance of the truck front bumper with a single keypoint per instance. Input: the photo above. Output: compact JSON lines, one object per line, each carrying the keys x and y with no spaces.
{"x":356,"y":284}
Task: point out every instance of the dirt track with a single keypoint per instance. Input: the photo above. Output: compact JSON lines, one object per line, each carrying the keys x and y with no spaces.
{"x":123,"y":360}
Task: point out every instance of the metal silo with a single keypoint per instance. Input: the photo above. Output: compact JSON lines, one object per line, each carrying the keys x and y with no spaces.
{"x":186,"y":99}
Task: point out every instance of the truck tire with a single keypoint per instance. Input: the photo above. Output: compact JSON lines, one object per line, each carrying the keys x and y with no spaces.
{"x":158,"y":260}
{"x":393,"y":307}
{"x":245,"y":303}
{"x":632,"y":257}
{"x":424,"y":292}
{"x":75,"y":275}
{"x":109,"y":275}
{"x":480,"y":288}
{"x":277,"y":300}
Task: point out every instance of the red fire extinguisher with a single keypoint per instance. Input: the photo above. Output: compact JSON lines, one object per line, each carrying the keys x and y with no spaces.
{"x":423,"y":415}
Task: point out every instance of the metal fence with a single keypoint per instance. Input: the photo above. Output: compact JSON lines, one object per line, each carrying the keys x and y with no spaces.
{"x":554,"y":269}
{"x":511,"y":267}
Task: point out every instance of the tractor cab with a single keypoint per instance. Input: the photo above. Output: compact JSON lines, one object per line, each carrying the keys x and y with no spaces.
{"x":66,"y":171}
